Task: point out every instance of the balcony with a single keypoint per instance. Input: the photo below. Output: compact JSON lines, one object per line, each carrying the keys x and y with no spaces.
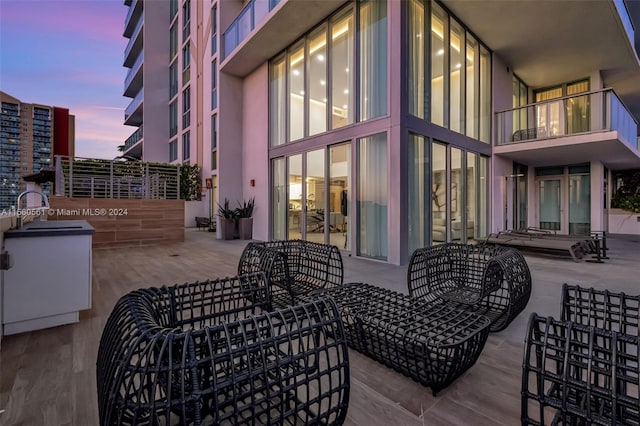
{"x":135,"y":45}
{"x":240,"y":28}
{"x":265,"y":27}
{"x":133,"y":81}
{"x":597,"y":121}
{"x":133,"y":144}
{"x":133,"y":113}
{"x":133,"y":16}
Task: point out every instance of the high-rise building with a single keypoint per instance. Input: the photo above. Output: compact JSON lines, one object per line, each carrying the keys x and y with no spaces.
{"x":31,"y":135}
{"x":382,"y":126}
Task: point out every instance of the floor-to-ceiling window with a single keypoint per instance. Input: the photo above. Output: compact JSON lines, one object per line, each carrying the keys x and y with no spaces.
{"x":372,"y":196}
{"x":416,"y":58}
{"x":439,"y":184}
{"x":457,"y":190}
{"x":277,"y":105}
{"x":339,"y":195}
{"x":580,"y":200}
{"x":519,"y":99}
{"x":294,"y":197}
{"x":296,"y":92}
{"x":373,"y":59}
{"x":317,"y":70}
{"x":278,"y":199}
{"x":316,"y":191}
{"x":417,"y":194}
{"x":472,"y":195}
{"x":565,"y":116}
{"x":342,"y":69}
{"x":459,"y":90}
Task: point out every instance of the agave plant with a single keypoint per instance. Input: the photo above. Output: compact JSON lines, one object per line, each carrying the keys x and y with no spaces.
{"x":226,"y":212}
{"x":245,"y":210}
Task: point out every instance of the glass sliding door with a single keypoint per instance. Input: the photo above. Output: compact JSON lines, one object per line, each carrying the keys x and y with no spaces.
{"x":472,"y":195}
{"x":578,"y":111}
{"x":277,"y":105}
{"x":314,"y":209}
{"x":549,"y":117}
{"x":294,"y":197}
{"x":372,"y":196}
{"x":482,"y":225}
{"x":339,"y":195}
{"x":579,"y":200}
{"x":278,"y":200}
{"x":549,"y":204}
{"x":418,"y":195}
{"x":439,"y":184}
{"x":373,"y":58}
{"x":458,"y":202}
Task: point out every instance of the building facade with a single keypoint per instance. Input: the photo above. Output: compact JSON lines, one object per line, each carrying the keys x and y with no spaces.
{"x":30,"y":137}
{"x":382,"y":126}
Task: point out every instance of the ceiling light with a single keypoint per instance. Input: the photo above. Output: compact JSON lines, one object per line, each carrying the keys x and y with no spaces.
{"x":322,"y":82}
{"x":346,"y":69}
{"x":345,"y":106}
{"x":346,"y":91}
{"x":440,"y":52}
{"x":296,"y":72}
{"x":458,"y":65}
{"x":302,"y":92}
{"x":324,"y":99}
{"x":321,"y":57}
{"x":419,"y":35}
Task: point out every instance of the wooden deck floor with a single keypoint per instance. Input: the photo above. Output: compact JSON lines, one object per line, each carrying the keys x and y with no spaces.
{"x":48,"y":377}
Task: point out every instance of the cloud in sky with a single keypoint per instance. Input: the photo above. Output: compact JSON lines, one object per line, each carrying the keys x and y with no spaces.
{"x":69,"y":53}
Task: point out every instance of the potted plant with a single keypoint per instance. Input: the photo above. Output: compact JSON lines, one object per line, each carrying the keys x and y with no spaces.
{"x":227,"y":220}
{"x":245,"y":218}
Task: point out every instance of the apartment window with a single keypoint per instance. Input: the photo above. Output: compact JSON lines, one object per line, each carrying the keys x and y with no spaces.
{"x":277,"y":105}
{"x":317,"y":70}
{"x":214,"y":84}
{"x":342,"y":69}
{"x":566,"y":116}
{"x":372,"y":196}
{"x":173,"y":118}
{"x":373,"y":59}
{"x":296,"y":92}
{"x":186,"y":63}
{"x":173,"y":150}
{"x":173,"y":41}
{"x":186,"y":20}
{"x":214,"y":142}
{"x":173,"y":9}
{"x":458,"y":95}
{"x":520,"y":91}
{"x":186,"y":145}
{"x":214,"y":30}
{"x":173,"y":79}
{"x":186,"y":108}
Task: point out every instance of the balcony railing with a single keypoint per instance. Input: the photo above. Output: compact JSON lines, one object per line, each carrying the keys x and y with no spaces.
{"x":133,"y":106}
{"x":132,"y":40}
{"x":589,"y":112}
{"x":127,"y":21}
{"x":91,"y":178}
{"x":246,"y":21}
{"x":133,"y":139}
{"x":133,"y":70}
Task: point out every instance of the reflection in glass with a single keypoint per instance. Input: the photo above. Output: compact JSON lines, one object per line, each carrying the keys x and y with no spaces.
{"x":457,"y":203}
{"x":439,"y":183}
{"x":372,"y":196}
{"x":549,"y":207}
{"x":472,"y":194}
{"x":416,"y":58}
{"x":418,"y":195}
{"x":438,"y":62}
{"x":296,"y":92}
{"x":278,"y":102}
{"x":579,"y":204}
{"x":342,"y":36}
{"x":456,"y":77}
{"x":373,"y":59}
{"x":278,"y":200}
{"x":339,"y":196}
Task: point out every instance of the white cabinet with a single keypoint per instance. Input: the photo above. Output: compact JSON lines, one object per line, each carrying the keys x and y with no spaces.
{"x":50,"y":280}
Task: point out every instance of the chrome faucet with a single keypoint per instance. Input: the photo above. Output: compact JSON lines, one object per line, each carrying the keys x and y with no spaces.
{"x":22,"y":194}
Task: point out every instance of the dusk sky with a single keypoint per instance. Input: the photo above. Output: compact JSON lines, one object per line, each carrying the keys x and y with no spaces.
{"x":69,"y":53}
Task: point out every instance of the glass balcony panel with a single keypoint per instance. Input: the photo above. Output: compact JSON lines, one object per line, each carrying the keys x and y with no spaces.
{"x":253,"y":14}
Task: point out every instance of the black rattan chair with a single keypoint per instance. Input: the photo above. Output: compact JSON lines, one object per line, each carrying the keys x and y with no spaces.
{"x":579,"y":375}
{"x":493,"y":281}
{"x":433,"y":344}
{"x":294,"y":268}
{"x":210,"y":353}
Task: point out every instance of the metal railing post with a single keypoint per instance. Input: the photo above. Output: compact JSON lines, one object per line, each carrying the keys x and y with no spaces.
{"x":111,"y":178}
{"x":71,"y":177}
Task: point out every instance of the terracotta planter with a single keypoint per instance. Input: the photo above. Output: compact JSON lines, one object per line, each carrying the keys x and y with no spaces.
{"x":245,"y":228}
{"x":227,"y":228}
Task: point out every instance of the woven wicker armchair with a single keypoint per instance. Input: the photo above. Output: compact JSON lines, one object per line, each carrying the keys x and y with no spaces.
{"x":294,"y":268}
{"x":490,"y":280}
{"x":210,"y":353}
